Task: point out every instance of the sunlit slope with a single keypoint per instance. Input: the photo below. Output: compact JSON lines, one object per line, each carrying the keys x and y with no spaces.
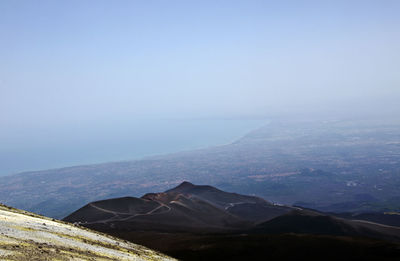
{"x":26,"y":236}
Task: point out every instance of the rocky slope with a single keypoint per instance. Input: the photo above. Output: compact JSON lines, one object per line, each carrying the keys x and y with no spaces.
{"x":26,"y":236}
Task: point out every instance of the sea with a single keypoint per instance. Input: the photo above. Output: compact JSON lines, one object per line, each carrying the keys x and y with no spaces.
{"x":57,"y":147}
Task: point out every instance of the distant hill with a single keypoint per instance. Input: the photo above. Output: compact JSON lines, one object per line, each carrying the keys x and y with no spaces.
{"x":186,"y":207}
{"x":332,"y":166}
{"x":25,"y":236}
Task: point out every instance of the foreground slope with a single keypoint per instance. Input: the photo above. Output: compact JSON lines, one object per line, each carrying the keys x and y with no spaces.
{"x":26,"y":236}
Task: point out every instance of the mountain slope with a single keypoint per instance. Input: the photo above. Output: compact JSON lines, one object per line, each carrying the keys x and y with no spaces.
{"x":25,"y":236}
{"x":250,"y":208}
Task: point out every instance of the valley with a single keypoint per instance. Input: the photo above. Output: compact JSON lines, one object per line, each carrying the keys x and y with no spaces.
{"x":327,"y":186}
{"x":333,"y":166}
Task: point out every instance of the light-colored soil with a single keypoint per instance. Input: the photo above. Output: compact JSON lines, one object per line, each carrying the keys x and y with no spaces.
{"x":25,"y":236}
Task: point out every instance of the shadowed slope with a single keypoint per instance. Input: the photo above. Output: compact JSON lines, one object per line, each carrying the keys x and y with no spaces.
{"x":113,"y":209}
{"x":310,"y":222}
{"x":251,"y":208}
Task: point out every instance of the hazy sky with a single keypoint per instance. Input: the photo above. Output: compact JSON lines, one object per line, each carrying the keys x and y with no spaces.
{"x":73,"y":61}
{"x":68,"y":63}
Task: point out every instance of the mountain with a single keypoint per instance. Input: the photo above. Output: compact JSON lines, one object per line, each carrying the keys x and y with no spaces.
{"x":332,"y":166}
{"x":186,"y":207}
{"x":26,"y":236}
{"x":193,"y":222}
{"x":201,"y":208}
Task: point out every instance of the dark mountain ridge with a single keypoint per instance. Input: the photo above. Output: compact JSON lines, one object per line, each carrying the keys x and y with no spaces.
{"x":194,"y":222}
{"x":186,"y":207}
{"x":194,"y":208}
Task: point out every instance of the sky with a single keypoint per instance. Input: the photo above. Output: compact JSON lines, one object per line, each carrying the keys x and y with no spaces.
{"x":73,"y":67}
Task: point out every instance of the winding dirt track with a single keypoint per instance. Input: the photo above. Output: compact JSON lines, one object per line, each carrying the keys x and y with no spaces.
{"x":375,"y":224}
{"x":117,"y":215}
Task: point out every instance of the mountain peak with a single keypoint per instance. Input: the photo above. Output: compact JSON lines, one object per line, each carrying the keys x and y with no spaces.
{"x":187,"y":187}
{"x":186,"y":184}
